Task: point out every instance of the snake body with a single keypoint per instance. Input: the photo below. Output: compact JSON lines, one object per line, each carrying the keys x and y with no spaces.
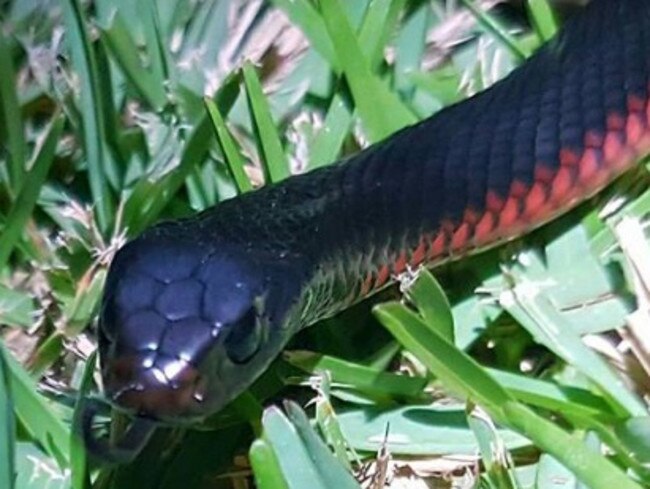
{"x":194,"y":310}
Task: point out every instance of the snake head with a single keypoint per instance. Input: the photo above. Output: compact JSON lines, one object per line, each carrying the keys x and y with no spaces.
{"x":187,"y":326}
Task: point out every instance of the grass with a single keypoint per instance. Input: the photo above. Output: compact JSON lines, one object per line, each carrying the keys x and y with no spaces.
{"x":527,"y":369}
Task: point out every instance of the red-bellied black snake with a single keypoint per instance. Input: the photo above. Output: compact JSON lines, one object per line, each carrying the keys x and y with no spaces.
{"x":194,"y":310}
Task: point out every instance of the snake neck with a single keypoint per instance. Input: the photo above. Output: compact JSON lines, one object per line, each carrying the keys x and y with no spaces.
{"x":550,"y":135}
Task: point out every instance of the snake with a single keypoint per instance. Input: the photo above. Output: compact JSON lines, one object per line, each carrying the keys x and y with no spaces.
{"x":194,"y":310}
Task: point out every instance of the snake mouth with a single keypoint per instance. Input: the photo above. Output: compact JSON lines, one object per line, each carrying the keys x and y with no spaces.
{"x":124,"y":450}
{"x":157,"y":387}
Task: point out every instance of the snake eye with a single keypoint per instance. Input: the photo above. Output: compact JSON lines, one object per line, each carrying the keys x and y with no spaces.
{"x":245,"y":337}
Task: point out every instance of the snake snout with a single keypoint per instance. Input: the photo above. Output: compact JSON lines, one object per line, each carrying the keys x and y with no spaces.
{"x":154,"y":385}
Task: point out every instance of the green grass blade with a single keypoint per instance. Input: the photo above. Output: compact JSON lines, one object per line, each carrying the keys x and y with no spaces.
{"x":12,"y":117}
{"x":595,"y":470}
{"x":17,"y":307}
{"x":410,"y":46}
{"x":48,"y":352}
{"x":79,"y":312}
{"x":142,"y":211}
{"x":303,"y":14}
{"x":327,"y":143}
{"x":163,"y":191}
{"x":373,"y":36}
{"x":197,"y":189}
{"x":381,"y":111}
{"x":634,"y":433}
{"x":94,"y":133}
{"x":495,"y":456}
{"x":292,"y":455}
{"x":463,"y":375}
{"x":542,"y":18}
{"x":26,"y":199}
{"x":549,"y":471}
{"x":460,"y":372}
{"x":274,"y":160}
{"x":358,"y":376}
{"x":79,"y":462}
{"x":304,"y":459}
{"x":35,"y":413}
{"x":229,"y":148}
{"x":609,"y":436}
{"x":427,"y":294}
{"x":538,"y":315}
{"x":552,"y":396}
{"x":119,"y":42}
{"x":331,"y":470}
{"x":268,"y":474}
{"x":158,"y":55}
{"x":327,"y":421}
{"x":7,"y":428}
{"x":376,"y":28}
{"x":491,"y":25}
{"x":418,"y":430}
